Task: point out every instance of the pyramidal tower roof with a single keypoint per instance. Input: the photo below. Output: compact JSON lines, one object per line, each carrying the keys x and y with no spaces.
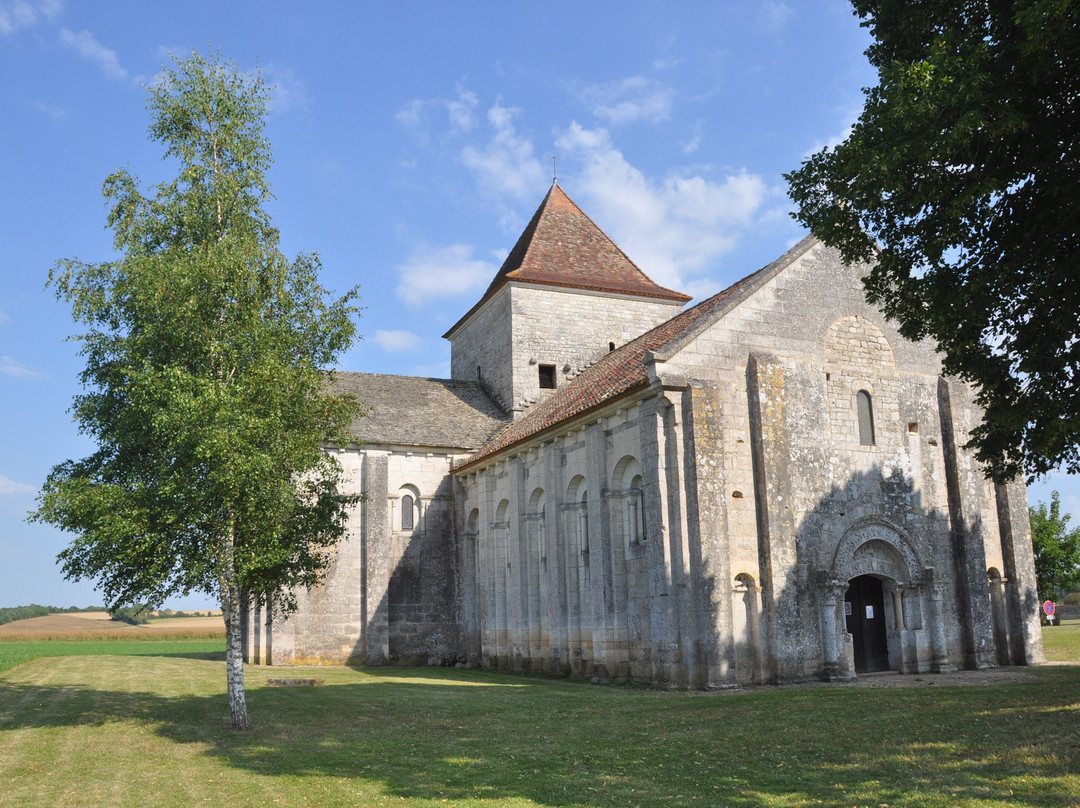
{"x":562,"y":246}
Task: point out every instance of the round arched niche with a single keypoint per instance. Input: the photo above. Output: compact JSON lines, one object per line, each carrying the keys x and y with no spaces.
{"x":875,"y":547}
{"x":854,"y":340}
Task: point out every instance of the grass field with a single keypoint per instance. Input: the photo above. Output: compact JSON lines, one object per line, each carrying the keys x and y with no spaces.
{"x":98,"y":625}
{"x":1062,"y":643}
{"x":123,"y":730}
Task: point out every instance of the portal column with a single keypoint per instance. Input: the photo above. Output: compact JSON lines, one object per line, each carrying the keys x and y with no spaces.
{"x":830,"y":596}
{"x":939,"y":660}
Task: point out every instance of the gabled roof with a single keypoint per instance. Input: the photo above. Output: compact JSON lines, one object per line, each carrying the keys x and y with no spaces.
{"x":561,"y":246}
{"x":413,"y":411}
{"x":624,"y":370}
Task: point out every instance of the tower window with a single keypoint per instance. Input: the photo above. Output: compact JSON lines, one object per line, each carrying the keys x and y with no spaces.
{"x":866,"y":418}
{"x":547,"y":377}
{"x":408,"y":513}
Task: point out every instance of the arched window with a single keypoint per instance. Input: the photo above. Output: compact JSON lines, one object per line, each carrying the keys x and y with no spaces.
{"x":409,"y":518}
{"x":866,"y":418}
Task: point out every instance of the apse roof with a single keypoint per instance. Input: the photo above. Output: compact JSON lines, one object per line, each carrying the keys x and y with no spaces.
{"x":414,"y":411}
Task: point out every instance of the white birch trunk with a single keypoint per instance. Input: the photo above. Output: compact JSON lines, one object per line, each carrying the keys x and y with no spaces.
{"x":234,"y":651}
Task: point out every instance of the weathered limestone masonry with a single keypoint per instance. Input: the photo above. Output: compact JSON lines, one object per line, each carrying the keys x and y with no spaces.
{"x":511,"y":336}
{"x":769,"y":486}
{"x":392,"y":592}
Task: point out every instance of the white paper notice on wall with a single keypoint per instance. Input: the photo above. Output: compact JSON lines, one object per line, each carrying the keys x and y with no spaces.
{"x":869,"y":612}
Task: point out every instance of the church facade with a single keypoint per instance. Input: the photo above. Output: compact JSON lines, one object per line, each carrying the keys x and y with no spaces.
{"x":768,"y":486}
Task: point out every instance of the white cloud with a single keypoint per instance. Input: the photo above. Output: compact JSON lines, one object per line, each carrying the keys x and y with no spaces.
{"x":16,"y":14}
{"x":432,"y":273}
{"x":50,"y":110}
{"x":506,"y":164}
{"x":674,"y":228}
{"x":398,"y":341}
{"x":84,"y":44}
{"x":9,"y":367}
{"x":287,"y":91}
{"x":10,"y":488}
{"x":460,"y":111}
{"x":773,"y":15}
{"x":632,"y":99}
{"x":411,"y":115}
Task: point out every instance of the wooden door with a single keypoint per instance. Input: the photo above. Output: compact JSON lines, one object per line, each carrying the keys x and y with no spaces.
{"x":864,"y":608}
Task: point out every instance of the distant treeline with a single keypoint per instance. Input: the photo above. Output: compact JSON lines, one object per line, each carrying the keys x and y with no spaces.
{"x":9,"y":614}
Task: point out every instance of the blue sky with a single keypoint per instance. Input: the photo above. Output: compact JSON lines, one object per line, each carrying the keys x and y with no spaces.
{"x":412,"y":145}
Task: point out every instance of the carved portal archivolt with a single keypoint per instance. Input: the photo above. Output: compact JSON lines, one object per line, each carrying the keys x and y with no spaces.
{"x":876,"y":547}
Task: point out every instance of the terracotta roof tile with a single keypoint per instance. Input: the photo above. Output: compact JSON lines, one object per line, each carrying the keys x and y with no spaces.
{"x":562,"y":246}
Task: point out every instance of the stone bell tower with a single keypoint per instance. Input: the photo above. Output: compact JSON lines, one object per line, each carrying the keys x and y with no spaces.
{"x":564,"y":297}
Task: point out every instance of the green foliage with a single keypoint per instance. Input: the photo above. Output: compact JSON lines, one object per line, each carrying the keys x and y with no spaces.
{"x":1057,"y":550}
{"x":1072,"y":599}
{"x":962,"y":179}
{"x":137,"y":615}
{"x":9,"y":614}
{"x":206,"y":373}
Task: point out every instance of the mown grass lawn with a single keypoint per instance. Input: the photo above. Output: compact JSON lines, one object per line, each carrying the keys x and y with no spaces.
{"x":1062,"y":643}
{"x":154,"y":730}
{"x":14,"y":652}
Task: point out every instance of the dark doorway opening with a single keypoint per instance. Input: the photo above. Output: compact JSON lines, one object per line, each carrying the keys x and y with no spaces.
{"x":864,"y":608}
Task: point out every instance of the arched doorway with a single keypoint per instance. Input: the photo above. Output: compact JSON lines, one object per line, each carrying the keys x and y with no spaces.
{"x":864,"y":611}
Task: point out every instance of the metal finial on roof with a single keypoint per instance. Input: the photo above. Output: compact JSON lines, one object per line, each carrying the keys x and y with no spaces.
{"x":554,"y":168}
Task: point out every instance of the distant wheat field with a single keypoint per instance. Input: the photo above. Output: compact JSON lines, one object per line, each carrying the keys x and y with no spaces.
{"x":98,"y":625}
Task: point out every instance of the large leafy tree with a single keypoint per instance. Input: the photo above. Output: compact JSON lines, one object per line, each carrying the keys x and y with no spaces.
{"x":1057,"y":550}
{"x":205,"y":384}
{"x":961,"y":179}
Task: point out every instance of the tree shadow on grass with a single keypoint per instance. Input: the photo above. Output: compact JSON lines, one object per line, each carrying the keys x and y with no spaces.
{"x":209,"y":656}
{"x":434,"y":735}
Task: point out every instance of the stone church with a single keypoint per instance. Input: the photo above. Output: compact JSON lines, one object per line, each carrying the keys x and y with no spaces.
{"x":769,"y":486}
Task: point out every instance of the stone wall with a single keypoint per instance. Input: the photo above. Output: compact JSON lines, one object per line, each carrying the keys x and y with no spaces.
{"x":482,"y":349}
{"x":526,"y":325}
{"x":762,"y":499}
{"x":391,"y":594}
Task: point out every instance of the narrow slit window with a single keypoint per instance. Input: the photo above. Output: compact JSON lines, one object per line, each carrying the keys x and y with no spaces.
{"x":547,"y":377}
{"x":866,"y":418}
{"x":635,"y":512}
{"x":408,"y":522}
{"x":583,"y":527}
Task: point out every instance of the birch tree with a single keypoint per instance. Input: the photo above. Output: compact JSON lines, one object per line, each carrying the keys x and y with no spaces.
{"x":206,"y":385}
